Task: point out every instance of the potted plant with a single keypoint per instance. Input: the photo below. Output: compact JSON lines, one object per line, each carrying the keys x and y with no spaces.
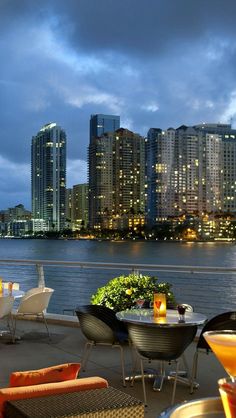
{"x":122,"y":292}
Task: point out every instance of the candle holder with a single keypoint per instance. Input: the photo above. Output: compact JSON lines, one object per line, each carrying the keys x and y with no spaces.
{"x":159,"y":305}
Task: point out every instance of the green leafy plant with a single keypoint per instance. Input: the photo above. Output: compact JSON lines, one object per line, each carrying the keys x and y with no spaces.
{"x":122,"y":292}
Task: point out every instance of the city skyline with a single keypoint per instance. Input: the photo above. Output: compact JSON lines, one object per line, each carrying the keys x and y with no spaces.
{"x":160,"y":66}
{"x":184,"y":176}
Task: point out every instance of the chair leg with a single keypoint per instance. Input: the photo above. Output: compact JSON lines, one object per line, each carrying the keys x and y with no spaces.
{"x":195,"y":365}
{"x":133,"y":370}
{"x":194,"y":371}
{"x":122,"y":363}
{"x":46,"y":325}
{"x":14,"y":327}
{"x":175,"y":382}
{"x":185,"y":364}
{"x":87,"y":349}
{"x":11,"y":327}
{"x":133,"y":355}
{"x":143,"y":382}
{"x":163,"y":373}
{"x":159,"y":379}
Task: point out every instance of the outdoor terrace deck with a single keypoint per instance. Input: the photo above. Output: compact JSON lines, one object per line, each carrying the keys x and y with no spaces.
{"x":35,"y":351}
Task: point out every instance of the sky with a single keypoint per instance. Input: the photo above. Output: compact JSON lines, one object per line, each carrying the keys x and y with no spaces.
{"x":156,"y":63}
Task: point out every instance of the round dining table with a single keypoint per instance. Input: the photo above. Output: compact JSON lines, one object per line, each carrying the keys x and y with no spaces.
{"x":172,"y":319}
{"x":145,"y":317}
{"x":16,"y":293}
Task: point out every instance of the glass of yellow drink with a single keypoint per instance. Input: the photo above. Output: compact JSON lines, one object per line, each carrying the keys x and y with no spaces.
{"x":223,"y":344}
{"x":227,"y":390}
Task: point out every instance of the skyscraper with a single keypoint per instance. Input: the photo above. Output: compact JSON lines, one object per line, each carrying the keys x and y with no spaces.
{"x":229,"y":172}
{"x":100,"y":174}
{"x":221,"y":168}
{"x":68,"y":210}
{"x":190,"y":171}
{"x":187,"y":168}
{"x":128,"y":172}
{"x":160,"y":174}
{"x":48,"y":176}
{"x":117,"y":177}
{"x":100,"y":124}
{"x":79,"y":206}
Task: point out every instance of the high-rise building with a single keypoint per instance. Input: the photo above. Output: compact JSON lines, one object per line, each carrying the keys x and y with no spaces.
{"x":16,"y":213}
{"x":128,"y":172}
{"x":116,"y":178}
{"x":100,"y":124}
{"x":229,"y":173}
{"x":187,"y":168}
{"x":160,"y":174}
{"x":221,"y":168}
{"x":99,"y":158}
{"x":79,"y":206}
{"x":190,"y":171}
{"x":100,"y":179}
{"x":48,"y":176}
{"x":68,"y":207}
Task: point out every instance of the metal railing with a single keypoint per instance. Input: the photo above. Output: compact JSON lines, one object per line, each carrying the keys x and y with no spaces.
{"x":210,"y":290}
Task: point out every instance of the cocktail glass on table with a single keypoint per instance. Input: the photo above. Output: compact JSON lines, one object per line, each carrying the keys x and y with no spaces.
{"x":140,"y":303}
{"x":223,"y":344}
{"x":181,"y":310}
{"x":227,"y":388}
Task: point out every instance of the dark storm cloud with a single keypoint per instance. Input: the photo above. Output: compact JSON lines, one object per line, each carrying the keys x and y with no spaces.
{"x":156,"y":63}
{"x":145,"y":27}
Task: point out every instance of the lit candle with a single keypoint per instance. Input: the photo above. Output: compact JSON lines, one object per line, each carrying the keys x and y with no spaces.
{"x":159,"y":304}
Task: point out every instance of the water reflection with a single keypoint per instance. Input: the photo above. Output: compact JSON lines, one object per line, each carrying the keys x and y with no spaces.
{"x":198,"y":254}
{"x":209,"y":293}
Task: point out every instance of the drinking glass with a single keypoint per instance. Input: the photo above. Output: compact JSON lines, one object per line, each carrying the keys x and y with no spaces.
{"x":223,"y":344}
{"x":227,"y":390}
{"x":140,"y":303}
{"x":157,"y":305}
{"x":181,"y":311}
{"x":10,"y":287}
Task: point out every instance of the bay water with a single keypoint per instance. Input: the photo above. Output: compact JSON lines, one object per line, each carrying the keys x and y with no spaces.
{"x":209,"y":293}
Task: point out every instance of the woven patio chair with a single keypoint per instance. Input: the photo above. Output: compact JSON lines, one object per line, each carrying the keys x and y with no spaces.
{"x":100,"y":326}
{"x":224,"y":321}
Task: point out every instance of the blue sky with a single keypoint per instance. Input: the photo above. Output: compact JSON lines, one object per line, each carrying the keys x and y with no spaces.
{"x":156,"y":63}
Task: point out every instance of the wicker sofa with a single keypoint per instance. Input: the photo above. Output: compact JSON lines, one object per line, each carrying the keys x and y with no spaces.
{"x":57,"y":392}
{"x":103,"y":403}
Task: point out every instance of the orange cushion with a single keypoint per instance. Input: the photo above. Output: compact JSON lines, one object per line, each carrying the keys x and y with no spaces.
{"x":58,"y":373}
{"x":35,"y":391}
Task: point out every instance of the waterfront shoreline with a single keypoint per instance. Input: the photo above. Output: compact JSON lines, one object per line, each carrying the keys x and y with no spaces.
{"x":217,"y":241}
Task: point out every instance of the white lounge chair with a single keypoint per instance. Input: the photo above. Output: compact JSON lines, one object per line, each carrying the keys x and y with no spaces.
{"x":35,"y":303}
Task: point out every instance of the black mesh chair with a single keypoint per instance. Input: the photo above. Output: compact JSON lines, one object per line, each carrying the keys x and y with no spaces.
{"x":165,"y":344}
{"x":226,"y":320}
{"x":101,"y":327}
